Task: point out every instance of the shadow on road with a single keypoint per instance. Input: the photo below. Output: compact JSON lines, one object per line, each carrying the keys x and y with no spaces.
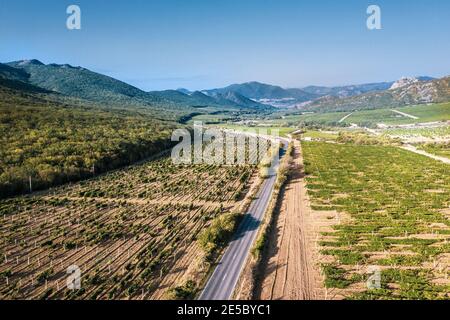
{"x":248,"y":224}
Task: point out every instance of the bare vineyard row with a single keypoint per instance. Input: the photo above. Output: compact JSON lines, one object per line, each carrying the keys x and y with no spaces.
{"x":127,"y":231}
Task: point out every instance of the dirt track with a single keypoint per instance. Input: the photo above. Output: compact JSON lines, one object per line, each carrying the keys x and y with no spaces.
{"x":411,"y":148}
{"x":290,"y":266}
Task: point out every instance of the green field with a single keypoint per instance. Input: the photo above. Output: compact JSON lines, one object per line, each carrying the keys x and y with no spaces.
{"x":439,"y":149}
{"x":316,"y":118}
{"x":369,"y":118}
{"x":320,"y":135}
{"x":438,"y":132}
{"x":288,"y":122}
{"x":424,"y":113}
{"x":395,"y":200}
{"x":436,"y":112}
{"x":279,"y":131}
{"x":209,"y":118}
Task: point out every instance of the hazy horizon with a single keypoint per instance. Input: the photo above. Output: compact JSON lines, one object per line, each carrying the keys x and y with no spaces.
{"x":157,"y":45}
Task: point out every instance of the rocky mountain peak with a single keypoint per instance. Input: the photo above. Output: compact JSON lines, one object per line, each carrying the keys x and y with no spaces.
{"x":403,"y":82}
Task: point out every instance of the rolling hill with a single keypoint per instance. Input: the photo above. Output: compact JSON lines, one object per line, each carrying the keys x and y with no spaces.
{"x":82,"y":83}
{"x":348,"y":91}
{"x":55,"y":141}
{"x":266,"y":94}
{"x":237,"y":99}
{"x":354,"y":90}
{"x":10,"y":73}
{"x":295,"y":97}
{"x":198,"y":99}
{"x":398,"y":94}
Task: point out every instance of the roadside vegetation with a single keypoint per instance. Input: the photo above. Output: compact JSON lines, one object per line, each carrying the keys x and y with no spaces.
{"x":362,"y":138}
{"x":216,"y":236}
{"x":266,"y":164}
{"x":282,"y":176}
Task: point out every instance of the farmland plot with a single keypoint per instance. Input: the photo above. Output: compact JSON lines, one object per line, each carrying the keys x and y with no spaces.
{"x":131,"y":233}
{"x":390,"y":212}
{"x":433,"y":133}
{"x":411,"y":114}
{"x":439,"y":149}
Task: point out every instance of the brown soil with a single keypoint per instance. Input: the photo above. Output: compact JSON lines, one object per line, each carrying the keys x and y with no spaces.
{"x":108,"y":258}
{"x":290,"y":267}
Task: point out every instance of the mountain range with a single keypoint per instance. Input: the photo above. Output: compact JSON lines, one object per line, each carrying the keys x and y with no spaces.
{"x":353,"y":90}
{"x":81,"y":83}
{"x":267,"y":94}
{"x":406,"y":91}
{"x":78,"y":82}
{"x":199,"y":99}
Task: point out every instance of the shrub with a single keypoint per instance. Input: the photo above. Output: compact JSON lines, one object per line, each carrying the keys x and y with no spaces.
{"x":217,"y":234}
{"x":44,"y":275}
{"x":184,"y":292}
{"x":362,"y":138}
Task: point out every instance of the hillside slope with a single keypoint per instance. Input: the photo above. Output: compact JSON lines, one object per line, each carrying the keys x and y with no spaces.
{"x":266,"y":93}
{"x":55,"y":142}
{"x":82,"y":83}
{"x":348,"y":91}
{"x":229,"y":100}
{"x":409,"y":93}
{"x":237,"y":99}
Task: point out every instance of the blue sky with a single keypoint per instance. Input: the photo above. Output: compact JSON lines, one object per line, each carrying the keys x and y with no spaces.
{"x":197,"y":44}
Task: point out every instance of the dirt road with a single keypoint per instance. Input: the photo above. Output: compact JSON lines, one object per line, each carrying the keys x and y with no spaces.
{"x":405,"y":114}
{"x":290,"y":270}
{"x":424,"y":153}
{"x":345,"y":118}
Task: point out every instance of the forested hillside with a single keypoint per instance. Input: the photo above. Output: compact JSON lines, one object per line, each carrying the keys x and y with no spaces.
{"x":54,"y":142}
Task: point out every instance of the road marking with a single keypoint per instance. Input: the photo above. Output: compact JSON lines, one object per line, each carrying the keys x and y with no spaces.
{"x":405,"y":114}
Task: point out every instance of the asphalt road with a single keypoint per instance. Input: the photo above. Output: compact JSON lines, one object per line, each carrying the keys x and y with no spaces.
{"x":223,"y":281}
